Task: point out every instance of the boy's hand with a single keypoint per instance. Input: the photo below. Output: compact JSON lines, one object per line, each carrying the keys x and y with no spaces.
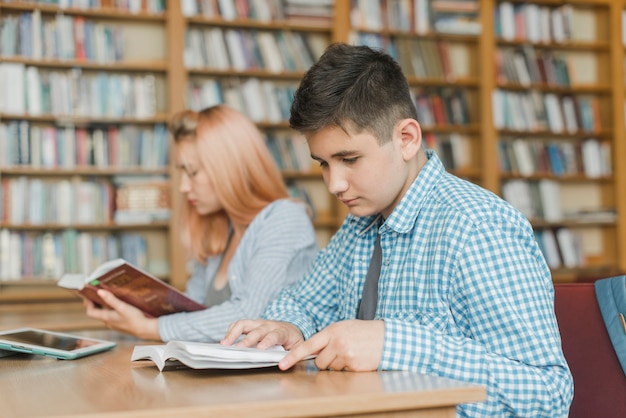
{"x":351,"y":345}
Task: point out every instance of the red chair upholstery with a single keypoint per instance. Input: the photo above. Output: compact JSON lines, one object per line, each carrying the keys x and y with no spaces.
{"x":599,"y":381}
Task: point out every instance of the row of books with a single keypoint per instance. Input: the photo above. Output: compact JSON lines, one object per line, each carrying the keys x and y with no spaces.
{"x":523,"y":157}
{"x":441,"y":106}
{"x":261,"y":100}
{"x":141,"y":199}
{"x":50,"y":255}
{"x":289,"y":150}
{"x":422,"y":58}
{"x":23,"y":143}
{"x":558,"y":113}
{"x":537,"y":23}
{"x":561,"y":247}
{"x":79,"y":201}
{"x":27,"y":89}
{"x":37,"y":201}
{"x":240,"y":50}
{"x":420,"y":16}
{"x":526,"y":66}
{"x":537,"y":200}
{"x":60,"y":37}
{"x":318,"y":12}
{"x":454,"y":150}
{"x":133,"y":6}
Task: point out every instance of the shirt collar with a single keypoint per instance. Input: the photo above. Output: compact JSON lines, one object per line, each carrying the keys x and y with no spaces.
{"x":405,"y":213}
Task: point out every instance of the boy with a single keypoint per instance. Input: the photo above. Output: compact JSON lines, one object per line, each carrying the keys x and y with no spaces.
{"x":463,"y":291}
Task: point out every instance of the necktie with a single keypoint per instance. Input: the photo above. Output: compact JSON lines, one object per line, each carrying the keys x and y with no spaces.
{"x":367,"y":306}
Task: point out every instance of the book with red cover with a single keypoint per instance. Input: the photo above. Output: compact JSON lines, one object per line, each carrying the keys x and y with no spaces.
{"x":132,"y":285}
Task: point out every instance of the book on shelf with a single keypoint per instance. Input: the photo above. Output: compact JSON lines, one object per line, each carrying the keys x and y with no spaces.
{"x":132,"y":285}
{"x":198,"y":355}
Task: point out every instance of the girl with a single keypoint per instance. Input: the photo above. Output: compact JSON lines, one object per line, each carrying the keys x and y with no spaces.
{"x":246,"y":238}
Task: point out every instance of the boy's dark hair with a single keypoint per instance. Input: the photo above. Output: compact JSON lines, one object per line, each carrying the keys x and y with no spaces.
{"x":355,"y":88}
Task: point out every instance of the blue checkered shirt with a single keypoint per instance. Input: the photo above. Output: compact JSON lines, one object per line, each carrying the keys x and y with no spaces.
{"x":464,"y":291}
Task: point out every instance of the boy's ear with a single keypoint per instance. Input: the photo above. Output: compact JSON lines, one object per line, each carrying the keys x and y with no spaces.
{"x":410,"y":135}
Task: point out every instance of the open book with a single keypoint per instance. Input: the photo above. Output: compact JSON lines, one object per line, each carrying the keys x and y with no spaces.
{"x":132,"y":285}
{"x":208,"y":355}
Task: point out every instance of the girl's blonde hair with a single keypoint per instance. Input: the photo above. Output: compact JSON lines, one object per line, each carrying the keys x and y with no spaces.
{"x":245,"y":177}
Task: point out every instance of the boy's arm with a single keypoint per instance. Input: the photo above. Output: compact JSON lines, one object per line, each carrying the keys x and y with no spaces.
{"x":503,"y":332}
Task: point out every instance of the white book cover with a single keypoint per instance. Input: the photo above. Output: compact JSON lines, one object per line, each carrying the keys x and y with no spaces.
{"x":236,"y":52}
{"x":5,"y":254}
{"x":550,"y":194}
{"x":12,"y":88}
{"x":592,"y":158}
{"x":15,"y":260}
{"x":524,"y":157}
{"x":272,"y":107}
{"x":208,"y":355}
{"x":553,"y":110}
{"x":36,"y":34}
{"x":517,"y":193}
{"x":551,"y":249}
{"x":558,"y":30}
{"x":218,"y":56}
{"x":497,"y":98}
{"x":531,"y":17}
{"x":227,"y":9}
{"x":4,"y":151}
{"x":210,"y":93}
{"x":253,"y":99}
{"x":507,"y":20}
{"x":270,"y":52}
{"x":569,"y":113}
{"x":521,"y":70}
{"x":544,"y":24}
{"x":36,"y":134}
{"x":33,"y":91}
{"x":569,"y":248}
{"x":188,"y":8}
{"x":193,"y":54}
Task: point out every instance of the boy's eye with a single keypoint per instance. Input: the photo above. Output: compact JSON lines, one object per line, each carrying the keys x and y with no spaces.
{"x":350,"y":160}
{"x":323,"y":163}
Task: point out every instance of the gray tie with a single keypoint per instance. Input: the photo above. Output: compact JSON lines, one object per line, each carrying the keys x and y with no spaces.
{"x":367,"y":306}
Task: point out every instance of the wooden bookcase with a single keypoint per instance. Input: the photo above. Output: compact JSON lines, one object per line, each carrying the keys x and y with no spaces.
{"x":166,"y":33}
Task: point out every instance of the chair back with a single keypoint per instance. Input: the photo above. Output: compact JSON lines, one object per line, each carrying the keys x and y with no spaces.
{"x":599,"y":381}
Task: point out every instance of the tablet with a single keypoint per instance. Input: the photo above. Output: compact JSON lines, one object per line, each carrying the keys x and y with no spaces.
{"x":52,"y":344}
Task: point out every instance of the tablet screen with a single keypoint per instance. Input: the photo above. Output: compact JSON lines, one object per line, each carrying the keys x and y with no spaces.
{"x":53,"y":344}
{"x":56,"y":341}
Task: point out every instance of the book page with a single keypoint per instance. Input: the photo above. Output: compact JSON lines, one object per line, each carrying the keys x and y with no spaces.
{"x":209,"y":355}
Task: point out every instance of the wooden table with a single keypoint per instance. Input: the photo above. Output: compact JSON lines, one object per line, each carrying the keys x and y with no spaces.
{"x":109,"y":385}
{"x":55,"y":316}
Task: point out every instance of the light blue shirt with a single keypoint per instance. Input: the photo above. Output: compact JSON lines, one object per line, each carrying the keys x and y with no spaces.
{"x":464,"y":291}
{"x":276,"y":250}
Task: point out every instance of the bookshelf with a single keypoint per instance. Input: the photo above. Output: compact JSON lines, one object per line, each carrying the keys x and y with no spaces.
{"x":459,"y":86}
{"x":82,"y":123}
{"x":252,"y":59}
{"x":527,"y":134}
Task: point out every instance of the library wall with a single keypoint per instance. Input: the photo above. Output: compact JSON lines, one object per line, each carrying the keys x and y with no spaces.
{"x":525,"y":98}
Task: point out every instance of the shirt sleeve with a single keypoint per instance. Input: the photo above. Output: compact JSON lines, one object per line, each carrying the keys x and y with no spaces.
{"x":276,"y":251}
{"x":503,"y":335}
{"x":313,"y":303}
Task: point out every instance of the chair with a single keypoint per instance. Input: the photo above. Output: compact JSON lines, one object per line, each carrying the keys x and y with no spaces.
{"x":599,"y":381}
